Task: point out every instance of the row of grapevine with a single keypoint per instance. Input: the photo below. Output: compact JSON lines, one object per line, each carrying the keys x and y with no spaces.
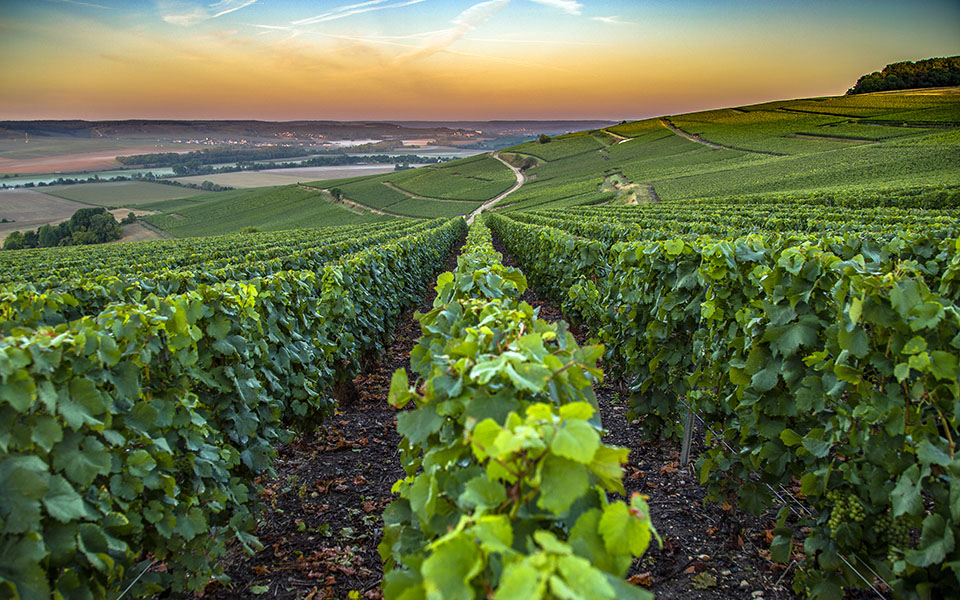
{"x":56,"y":301}
{"x":835,"y":373}
{"x":726,"y":218}
{"x":505,"y":494}
{"x":135,"y":434}
{"x":213,"y":253}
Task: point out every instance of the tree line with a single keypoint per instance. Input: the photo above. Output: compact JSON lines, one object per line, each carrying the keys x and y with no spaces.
{"x":86,"y":226}
{"x":932,"y":72}
{"x":209,"y":156}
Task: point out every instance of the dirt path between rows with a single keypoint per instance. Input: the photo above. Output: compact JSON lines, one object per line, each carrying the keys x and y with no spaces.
{"x":486,"y":205}
{"x":690,"y":136}
{"x":323,"y":517}
{"x":711,"y":551}
{"x":350,"y":203}
{"x":620,"y":138}
{"x":695,"y":137}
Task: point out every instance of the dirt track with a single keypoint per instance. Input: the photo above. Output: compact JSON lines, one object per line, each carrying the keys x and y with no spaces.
{"x":520,"y":181}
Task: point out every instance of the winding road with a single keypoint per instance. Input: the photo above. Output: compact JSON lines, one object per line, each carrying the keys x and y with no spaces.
{"x":520,"y":181}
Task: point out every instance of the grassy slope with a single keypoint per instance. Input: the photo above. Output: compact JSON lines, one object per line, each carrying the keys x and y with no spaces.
{"x":824,"y":144}
{"x":446,"y":190}
{"x":119,"y":193}
{"x":268,"y":209}
{"x":863,"y":144}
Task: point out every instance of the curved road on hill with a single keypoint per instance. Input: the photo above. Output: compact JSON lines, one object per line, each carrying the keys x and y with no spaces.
{"x":690,"y":136}
{"x":520,"y":181}
{"x":620,"y":138}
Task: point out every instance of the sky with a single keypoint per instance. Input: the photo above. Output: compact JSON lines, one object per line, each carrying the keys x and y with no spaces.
{"x":445,"y":59}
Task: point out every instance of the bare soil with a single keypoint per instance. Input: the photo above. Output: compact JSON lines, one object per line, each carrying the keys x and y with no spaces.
{"x":136,"y":232}
{"x":71,"y":163}
{"x":29,"y":209}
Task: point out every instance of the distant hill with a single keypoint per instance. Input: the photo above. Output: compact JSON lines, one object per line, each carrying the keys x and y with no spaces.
{"x":932,"y":72}
{"x":446,"y":132}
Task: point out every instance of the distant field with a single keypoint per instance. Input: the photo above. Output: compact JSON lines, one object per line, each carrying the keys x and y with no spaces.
{"x":29,"y":209}
{"x":560,"y":147}
{"x":267,"y":209}
{"x":251,"y":179}
{"x":66,"y":155}
{"x":477,"y":178}
{"x":433,"y":209}
{"x":119,"y":193}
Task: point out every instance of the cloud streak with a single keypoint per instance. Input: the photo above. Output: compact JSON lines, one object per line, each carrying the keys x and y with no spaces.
{"x":614,"y":20}
{"x":79,"y":3}
{"x":568,"y":6}
{"x":185,"y":15}
{"x":353,"y":9}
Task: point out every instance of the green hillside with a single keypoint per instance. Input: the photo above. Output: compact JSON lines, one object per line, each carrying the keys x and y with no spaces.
{"x":267,"y":209}
{"x":869,"y":147}
{"x":866,"y":143}
{"x":120,"y":193}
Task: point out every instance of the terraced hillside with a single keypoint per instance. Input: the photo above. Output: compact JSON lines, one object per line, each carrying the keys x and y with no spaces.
{"x":869,"y":143}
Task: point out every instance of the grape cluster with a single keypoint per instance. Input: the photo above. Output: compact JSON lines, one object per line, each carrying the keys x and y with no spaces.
{"x":846,"y":508}
{"x":895,"y":532}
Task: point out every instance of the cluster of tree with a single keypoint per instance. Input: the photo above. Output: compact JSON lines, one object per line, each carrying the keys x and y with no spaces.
{"x":207,"y":186}
{"x":932,"y":72}
{"x":212,"y":156}
{"x":86,"y":226}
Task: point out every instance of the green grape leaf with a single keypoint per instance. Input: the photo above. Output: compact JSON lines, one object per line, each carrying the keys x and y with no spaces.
{"x":562,"y":481}
{"x":62,"y":502}
{"x":576,"y":440}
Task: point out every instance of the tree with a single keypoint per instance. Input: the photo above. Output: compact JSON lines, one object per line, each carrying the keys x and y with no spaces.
{"x":544,"y":138}
{"x":14,"y":241}
{"x":104,"y":228}
{"x":81,"y":219}
{"x":30,"y":239}
{"x":47,"y":236}
{"x":932,"y":72}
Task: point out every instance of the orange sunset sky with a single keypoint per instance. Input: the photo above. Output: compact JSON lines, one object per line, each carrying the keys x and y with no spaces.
{"x":437,"y":59}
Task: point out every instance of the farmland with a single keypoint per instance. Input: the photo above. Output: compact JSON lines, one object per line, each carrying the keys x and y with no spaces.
{"x":253,"y":399}
{"x":119,"y":193}
{"x":269,"y":177}
{"x":29,"y":209}
{"x":267,"y":209}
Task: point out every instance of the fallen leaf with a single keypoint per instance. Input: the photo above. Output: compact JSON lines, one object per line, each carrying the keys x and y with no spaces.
{"x":643,"y":579}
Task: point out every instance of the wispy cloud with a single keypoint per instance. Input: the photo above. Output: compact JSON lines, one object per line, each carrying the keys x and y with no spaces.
{"x":462,"y":24}
{"x":228,"y":6}
{"x":568,"y":6}
{"x":187,"y":14}
{"x":79,"y":3}
{"x":614,"y":20}
{"x":353,"y":9}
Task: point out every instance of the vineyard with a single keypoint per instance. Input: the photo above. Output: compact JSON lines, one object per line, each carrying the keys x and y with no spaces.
{"x":141,"y":404}
{"x":816,"y":346}
{"x":777,"y":310}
